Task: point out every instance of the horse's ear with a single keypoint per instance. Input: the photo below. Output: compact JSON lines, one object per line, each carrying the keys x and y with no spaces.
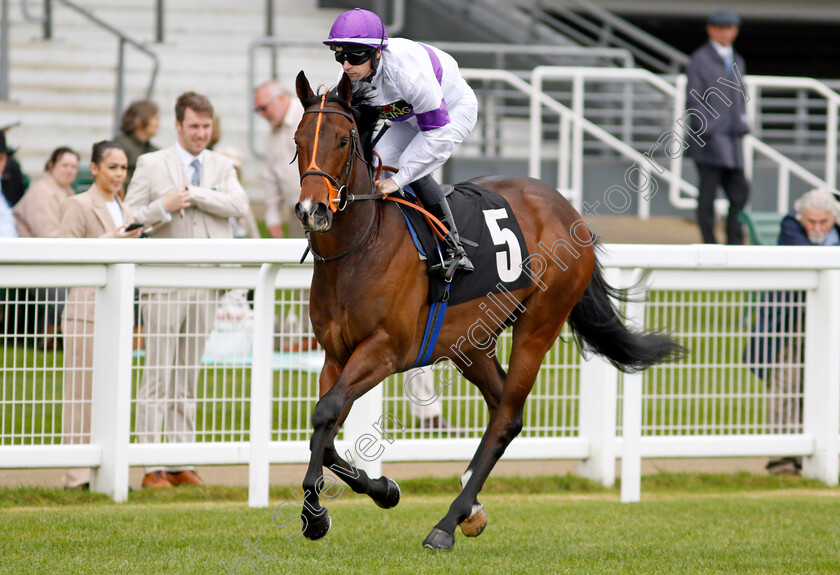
{"x":304,"y":90}
{"x":345,"y":89}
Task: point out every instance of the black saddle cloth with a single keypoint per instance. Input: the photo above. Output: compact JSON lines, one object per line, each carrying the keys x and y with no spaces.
{"x":491,"y":237}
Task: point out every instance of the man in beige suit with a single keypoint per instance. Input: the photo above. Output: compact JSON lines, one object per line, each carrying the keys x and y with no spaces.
{"x":187,"y":191}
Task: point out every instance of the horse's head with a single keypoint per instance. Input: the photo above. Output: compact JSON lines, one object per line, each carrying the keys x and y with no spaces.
{"x":327,"y":146}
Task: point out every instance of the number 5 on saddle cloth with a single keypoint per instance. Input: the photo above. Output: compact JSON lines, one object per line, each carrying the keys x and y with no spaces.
{"x":491,"y":237}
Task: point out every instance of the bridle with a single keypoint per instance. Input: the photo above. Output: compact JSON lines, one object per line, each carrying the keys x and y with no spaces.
{"x":337,"y":187}
{"x":338,"y":195}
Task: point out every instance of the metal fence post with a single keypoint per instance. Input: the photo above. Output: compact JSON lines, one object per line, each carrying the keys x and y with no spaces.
{"x":48,"y":28}
{"x":821,"y":409}
{"x":632,"y":406}
{"x":262,"y":384}
{"x":159,"y":22}
{"x":598,"y":396}
{"x":111,"y":394}
{"x":4,"y":52}
{"x":269,"y":32}
{"x":118,"y":96}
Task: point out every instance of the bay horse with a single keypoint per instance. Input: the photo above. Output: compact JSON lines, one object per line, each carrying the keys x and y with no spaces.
{"x":369,"y":304}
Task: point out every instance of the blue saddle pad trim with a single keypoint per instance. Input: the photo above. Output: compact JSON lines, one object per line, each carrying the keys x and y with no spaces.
{"x":413,"y":233}
{"x":432,"y":331}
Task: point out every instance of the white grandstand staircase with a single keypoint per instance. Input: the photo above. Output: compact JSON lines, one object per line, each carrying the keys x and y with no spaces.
{"x":793,"y":145}
{"x":63,"y":90}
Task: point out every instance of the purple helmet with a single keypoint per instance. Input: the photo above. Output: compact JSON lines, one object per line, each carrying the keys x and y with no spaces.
{"x":360,"y":27}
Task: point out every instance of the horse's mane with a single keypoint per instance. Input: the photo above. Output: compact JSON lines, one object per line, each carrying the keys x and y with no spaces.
{"x":365,"y":115}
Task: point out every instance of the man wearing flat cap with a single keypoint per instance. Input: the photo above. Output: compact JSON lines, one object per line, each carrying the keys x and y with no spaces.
{"x":716,"y":91}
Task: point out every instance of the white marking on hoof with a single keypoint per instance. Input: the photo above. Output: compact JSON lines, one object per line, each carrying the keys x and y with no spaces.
{"x":474,"y":525}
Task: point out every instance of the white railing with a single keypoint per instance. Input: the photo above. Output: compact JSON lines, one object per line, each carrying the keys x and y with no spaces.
{"x":574,"y":123}
{"x":612,"y":106}
{"x":706,"y":405}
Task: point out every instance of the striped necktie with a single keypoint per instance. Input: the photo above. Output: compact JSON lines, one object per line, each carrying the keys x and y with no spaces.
{"x":196,"y":175}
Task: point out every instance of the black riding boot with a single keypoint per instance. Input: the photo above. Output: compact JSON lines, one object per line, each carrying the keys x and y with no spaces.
{"x":432,"y":197}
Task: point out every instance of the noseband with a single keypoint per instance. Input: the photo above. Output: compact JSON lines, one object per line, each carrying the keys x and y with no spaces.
{"x":338,"y":196}
{"x":338,"y":187}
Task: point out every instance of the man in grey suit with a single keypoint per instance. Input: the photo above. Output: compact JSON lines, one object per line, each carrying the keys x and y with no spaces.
{"x":717,"y":92}
{"x":186,"y":191}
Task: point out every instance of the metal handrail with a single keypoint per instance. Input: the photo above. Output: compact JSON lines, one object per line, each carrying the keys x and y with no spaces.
{"x":124,"y":39}
{"x":572,"y":160}
{"x":645,"y":39}
{"x":570,"y":165}
{"x":4,"y":51}
{"x":621,"y":56}
{"x":45,"y":19}
{"x":832,"y":112}
{"x":664,"y":58}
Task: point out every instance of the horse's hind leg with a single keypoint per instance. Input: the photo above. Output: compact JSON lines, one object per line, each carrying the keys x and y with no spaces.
{"x":532,"y":338}
{"x":489,"y":377}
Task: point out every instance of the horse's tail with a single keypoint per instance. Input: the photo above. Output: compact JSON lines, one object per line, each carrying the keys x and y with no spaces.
{"x":599,"y":326}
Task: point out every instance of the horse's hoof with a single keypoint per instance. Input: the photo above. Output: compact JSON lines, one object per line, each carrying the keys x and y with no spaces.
{"x":439,"y":539}
{"x":392,"y":494}
{"x":318,"y":526}
{"x":474,"y":525}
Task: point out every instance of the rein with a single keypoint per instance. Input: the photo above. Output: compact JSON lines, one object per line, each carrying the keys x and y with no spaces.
{"x":347,"y":252}
{"x":339,"y":197}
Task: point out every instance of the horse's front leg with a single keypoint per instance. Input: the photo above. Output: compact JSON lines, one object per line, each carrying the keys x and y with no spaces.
{"x":371,"y":362}
{"x":384,"y":491}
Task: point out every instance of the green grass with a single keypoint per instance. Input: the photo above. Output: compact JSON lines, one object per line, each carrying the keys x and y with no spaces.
{"x":685,"y":524}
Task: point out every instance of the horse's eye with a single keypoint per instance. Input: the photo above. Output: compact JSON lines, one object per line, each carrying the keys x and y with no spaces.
{"x":344,"y":141}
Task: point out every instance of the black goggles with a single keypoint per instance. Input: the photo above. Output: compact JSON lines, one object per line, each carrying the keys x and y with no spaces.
{"x":353,"y":58}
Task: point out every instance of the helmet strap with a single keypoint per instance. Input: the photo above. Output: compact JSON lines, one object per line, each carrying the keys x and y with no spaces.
{"x":374,"y":64}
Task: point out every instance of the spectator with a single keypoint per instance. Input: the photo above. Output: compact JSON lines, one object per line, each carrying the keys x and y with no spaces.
{"x":191,"y":192}
{"x":216,"y":134}
{"x":38,"y":215}
{"x":96,"y":213}
{"x":281,"y":177}
{"x":140,"y":123}
{"x":7,"y":220}
{"x":14,"y":182}
{"x":812,"y":222}
{"x":7,"y":230}
{"x":715,"y":76}
{"x":282,"y":191}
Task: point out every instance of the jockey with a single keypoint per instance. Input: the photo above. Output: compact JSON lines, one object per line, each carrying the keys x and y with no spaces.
{"x":431,"y":109}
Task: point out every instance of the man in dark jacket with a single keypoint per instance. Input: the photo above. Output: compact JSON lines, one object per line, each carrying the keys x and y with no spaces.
{"x":717,"y":93}
{"x":776,"y":348}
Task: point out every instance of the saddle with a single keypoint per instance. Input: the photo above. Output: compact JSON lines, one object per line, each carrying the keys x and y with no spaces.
{"x":491,"y":236}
